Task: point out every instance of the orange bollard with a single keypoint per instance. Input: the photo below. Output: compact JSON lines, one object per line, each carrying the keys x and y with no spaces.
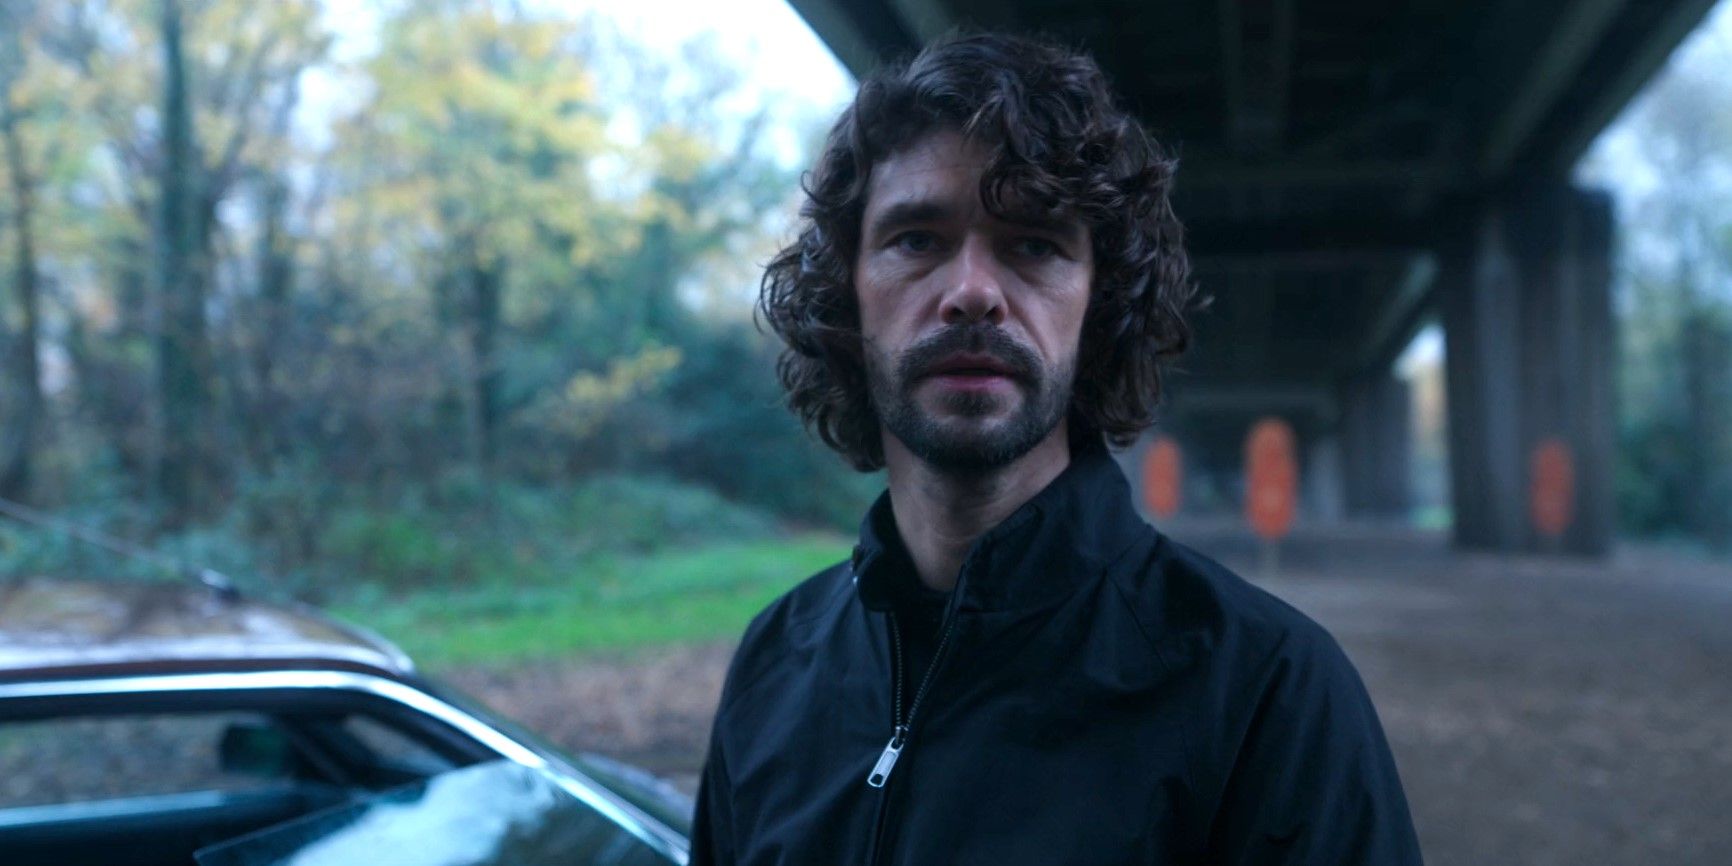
{"x":1552,"y":487}
{"x":1163,"y":478}
{"x":1272,"y":483}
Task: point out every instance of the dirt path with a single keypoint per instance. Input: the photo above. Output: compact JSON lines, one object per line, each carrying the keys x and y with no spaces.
{"x":1549,"y":713}
{"x":1542,"y":711}
{"x":652,"y":708}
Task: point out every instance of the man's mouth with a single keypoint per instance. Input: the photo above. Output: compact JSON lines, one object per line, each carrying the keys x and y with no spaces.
{"x":971,"y":369}
{"x":972,"y":366}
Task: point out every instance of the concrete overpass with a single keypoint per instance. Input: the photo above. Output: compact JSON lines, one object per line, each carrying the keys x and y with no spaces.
{"x":1351,"y":170}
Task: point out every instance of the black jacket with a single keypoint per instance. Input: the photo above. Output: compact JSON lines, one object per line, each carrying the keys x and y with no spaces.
{"x":1101,"y":695}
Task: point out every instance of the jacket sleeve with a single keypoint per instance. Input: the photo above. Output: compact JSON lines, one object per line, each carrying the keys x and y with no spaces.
{"x":712,"y":818}
{"x":712,"y":821}
{"x":1313,"y":781}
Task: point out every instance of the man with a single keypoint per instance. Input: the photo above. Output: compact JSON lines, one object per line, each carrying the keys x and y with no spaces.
{"x":1013,"y":667}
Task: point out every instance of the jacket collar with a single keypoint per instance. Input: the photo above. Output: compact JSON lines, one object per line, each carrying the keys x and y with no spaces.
{"x":1061,"y":537}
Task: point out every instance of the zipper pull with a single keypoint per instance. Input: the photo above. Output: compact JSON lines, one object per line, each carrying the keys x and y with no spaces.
{"x":887,"y":761}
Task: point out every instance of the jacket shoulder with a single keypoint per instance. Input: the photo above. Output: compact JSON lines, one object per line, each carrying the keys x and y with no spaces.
{"x":1249,"y":656}
{"x":1189,"y":604}
{"x":784,"y":624}
{"x":1289,"y":737}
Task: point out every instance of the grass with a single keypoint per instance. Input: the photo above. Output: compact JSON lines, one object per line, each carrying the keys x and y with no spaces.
{"x":609,"y":603}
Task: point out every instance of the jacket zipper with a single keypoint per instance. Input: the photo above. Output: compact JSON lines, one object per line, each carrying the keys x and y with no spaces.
{"x":899,"y":733}
{"x":902,"y":726}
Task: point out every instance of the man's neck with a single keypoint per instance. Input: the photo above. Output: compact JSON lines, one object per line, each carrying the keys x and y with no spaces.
{"x":939,"y":515}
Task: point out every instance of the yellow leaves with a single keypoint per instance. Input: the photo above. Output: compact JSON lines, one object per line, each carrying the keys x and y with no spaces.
{"x":678,"y":154}
{"x":626,"y":377}
{"x":32,"y":81}
{"x":588,"y":399}
{"x":482,"y":125}
{"x":505,"y":87}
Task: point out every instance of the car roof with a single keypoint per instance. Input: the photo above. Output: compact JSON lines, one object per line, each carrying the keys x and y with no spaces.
{"x":59,"y":627}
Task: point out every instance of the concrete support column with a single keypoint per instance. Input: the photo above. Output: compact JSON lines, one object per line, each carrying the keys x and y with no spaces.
{"x":1376,"y":446}
{"x":1525,"y":291}
{"x":1324,"y":481}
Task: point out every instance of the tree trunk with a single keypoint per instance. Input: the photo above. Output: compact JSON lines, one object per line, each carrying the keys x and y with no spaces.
{"x":1707,"y":351}
{"x":275,"y":276}
{"x":16,"y":475}
{"x":183,"y":344}
{"x":484,"y":310}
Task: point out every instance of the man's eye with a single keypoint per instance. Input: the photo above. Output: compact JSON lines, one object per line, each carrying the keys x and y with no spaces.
{"x":1036,"y":248}
{"x":915,"y":242}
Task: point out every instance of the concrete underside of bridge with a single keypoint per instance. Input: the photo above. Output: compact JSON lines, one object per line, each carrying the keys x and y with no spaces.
{"x":1350,"y":172}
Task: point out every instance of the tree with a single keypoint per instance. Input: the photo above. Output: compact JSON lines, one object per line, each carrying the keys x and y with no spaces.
{"x":221,"y":75}
{"x":17,"y":463}
{"x":1670,"y":159}
{"x":183,"y":270}
{"x":509,"y":260}
{"x":481,"y":137}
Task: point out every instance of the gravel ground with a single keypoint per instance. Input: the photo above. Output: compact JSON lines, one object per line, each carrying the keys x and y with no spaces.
{"x":651,"y":709}
{"x":1543,"y":711}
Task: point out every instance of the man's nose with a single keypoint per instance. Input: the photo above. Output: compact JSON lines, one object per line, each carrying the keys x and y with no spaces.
{"x":975,"y":291}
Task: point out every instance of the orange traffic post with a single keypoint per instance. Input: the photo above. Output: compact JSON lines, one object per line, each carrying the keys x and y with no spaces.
{"x":1272,"y":484}
{"x":1552,"y":489}
{"x":1163,"y":478}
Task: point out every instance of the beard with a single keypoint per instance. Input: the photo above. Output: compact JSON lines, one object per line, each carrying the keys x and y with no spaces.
{"x":965,"y":439}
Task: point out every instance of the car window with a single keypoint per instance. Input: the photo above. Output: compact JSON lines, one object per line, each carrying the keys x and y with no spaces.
{"x":394,"y":746}
{"x":490,"y":814}
{"x":75,"y":760}
{"x":654,"y":795}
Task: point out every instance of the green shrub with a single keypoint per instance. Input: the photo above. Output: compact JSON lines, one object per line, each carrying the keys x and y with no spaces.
{"x":626,"y":513}
{"x":395,"y":548}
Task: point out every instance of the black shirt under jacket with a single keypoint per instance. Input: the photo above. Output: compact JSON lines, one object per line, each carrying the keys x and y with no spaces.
{"x":1106,"y":696}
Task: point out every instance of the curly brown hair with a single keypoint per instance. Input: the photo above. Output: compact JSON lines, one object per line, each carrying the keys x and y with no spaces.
{"x":1056,"y":143}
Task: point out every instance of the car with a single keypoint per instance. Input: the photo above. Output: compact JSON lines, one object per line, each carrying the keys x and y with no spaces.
{"x":170,"y":722}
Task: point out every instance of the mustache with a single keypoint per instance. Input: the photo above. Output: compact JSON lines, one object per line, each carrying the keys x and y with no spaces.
{"x":982,"y":339}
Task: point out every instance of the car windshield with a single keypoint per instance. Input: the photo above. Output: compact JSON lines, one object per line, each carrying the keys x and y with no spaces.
{"x":494,"y":813}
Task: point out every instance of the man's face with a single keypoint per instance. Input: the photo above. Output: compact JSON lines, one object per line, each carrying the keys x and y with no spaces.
{"x":970,"y":321}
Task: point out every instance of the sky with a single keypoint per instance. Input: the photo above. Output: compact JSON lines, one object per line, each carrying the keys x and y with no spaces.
{"x":767,"y":36}
{"x":784,"y":64}
{"x":1612,"y":160}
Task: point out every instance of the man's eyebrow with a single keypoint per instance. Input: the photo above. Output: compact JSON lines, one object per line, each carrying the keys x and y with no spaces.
{"x":911,"y":211}
{"x":1061,"y":226}
{"x":917,"y":211}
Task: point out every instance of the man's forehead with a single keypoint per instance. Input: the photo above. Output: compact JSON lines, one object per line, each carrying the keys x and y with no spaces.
{"x":938,"y":164}
{"x":938,"y":176}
